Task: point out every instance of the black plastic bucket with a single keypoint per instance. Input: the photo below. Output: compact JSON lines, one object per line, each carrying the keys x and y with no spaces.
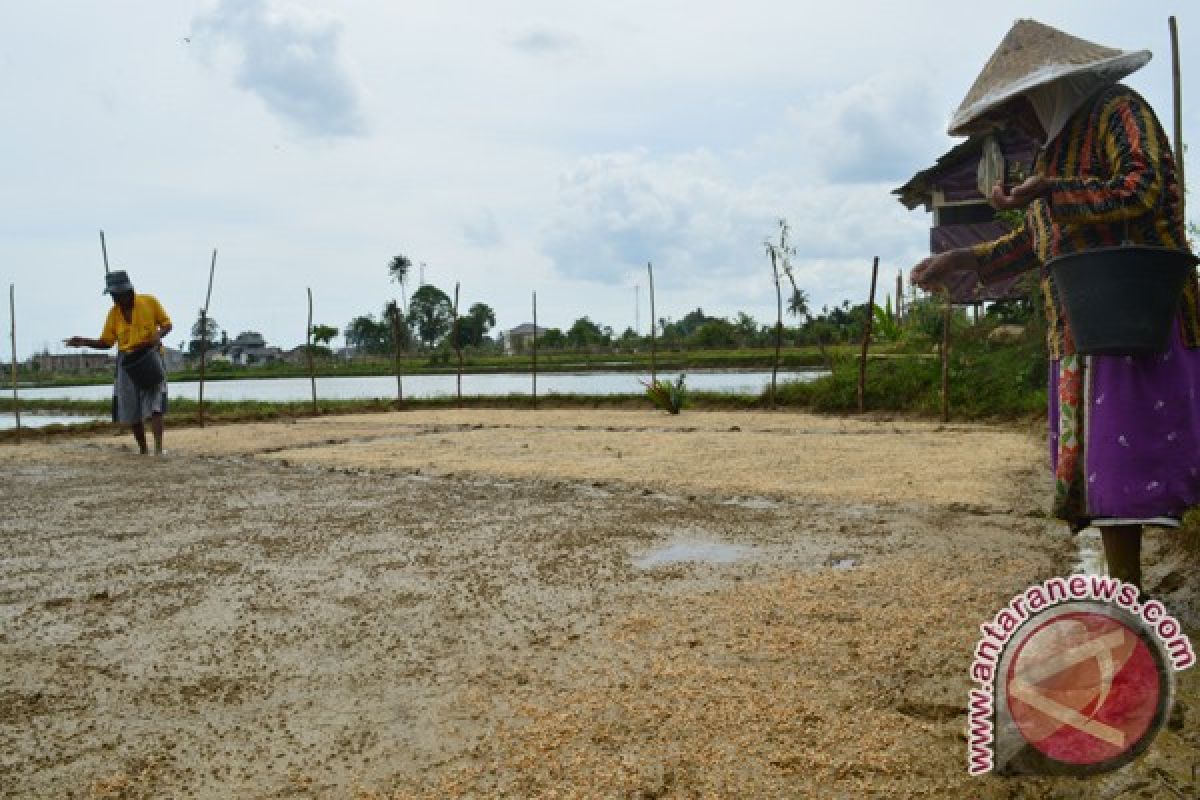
{"x":144,"y":367}
{"x":1122,"y":300}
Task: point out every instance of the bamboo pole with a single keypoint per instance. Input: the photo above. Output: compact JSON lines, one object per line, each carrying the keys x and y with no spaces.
{"x":899,"y":296}
{"x":104,"y":252}
{"x":946,"y":315}
{"x":535,"y":331}
{"x":778,"y":319}
{"x":312,"y":375}
{"x":653,"y":324}
{"x":204,"y":332}
{"x":862,"y":361}
{"x":12,"y":315}
{"x":395,"y":320}
{"x":457,"y":347}
{"x":1177,"y":91}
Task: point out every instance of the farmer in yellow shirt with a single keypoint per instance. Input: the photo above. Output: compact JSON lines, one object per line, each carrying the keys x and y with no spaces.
{"x":137,"y":324}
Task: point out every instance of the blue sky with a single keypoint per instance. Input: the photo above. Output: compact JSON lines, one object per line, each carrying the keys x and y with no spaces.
{"x":529,"y":145}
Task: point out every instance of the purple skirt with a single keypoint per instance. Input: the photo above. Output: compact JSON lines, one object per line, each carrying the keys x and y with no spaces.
{"x":1139,"y":437}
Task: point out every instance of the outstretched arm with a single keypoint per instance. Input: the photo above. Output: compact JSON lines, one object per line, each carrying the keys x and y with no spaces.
{"x":83,"y":341}
{"x":108,"y":336}
{"x":935,"y":271}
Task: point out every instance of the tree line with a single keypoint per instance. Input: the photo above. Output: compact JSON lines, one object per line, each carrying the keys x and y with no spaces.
{"x":428,"y":321}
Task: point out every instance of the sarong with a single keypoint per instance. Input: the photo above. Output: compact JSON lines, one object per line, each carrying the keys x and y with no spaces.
{"x":1125,"y":437}
{"x":131,"y":404}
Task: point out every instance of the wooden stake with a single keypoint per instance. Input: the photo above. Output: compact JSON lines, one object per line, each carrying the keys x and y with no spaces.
{"x":396,"y":339}
{"x":946,"y":314}
{"x":12,"y":315}
{"x":457,"y":346}
{"x":653,"y":325}
{"x":899,"y":296}
{"x":535,"y":349}
{"x":204,"y":332}
{"x":1177,"y":91}
{"x":312,"y":375}
{"x":862,"y":360}
{"x":104,"y":251}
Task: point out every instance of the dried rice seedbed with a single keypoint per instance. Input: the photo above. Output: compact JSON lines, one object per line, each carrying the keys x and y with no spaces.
{"x":268,"y":614}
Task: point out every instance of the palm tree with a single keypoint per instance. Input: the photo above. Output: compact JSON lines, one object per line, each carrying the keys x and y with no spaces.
{"x":398,"y":269}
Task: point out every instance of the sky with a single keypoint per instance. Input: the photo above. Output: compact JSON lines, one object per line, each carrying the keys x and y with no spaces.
{"x":548,"y":146}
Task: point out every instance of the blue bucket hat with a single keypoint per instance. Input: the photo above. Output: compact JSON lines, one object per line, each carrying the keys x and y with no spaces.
{"x":117,"y":282}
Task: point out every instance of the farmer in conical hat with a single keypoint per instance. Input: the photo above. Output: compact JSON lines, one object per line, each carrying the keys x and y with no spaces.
{"x":135,"y":323}
{"x":1124,"y":430}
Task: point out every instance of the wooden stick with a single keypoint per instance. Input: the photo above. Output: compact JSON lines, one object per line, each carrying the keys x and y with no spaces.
{"x":396,"y":340}
{"x":204,"y":332}
{"x":535,"y":349}
{"x":1177,"y":91}
{"x":312,"y":375}
{"x":457,"y":346}
{"x":946,"y":314}
{"x":862,"y":361}
{"x":778,"y":319}
{"x":12,"y":315}
{"x":104,"y":251}
{"x":653,"y":324}
{"x":899,"y":296}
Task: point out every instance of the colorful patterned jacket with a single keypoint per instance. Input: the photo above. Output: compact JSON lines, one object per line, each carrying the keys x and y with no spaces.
{"x":1113,"y":178}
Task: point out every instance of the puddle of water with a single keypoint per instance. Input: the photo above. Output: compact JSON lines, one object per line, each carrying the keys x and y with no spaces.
{"x":1089,"y":548}
{"x":843,"y":562}
{"x":703,"y":552}
{"x":32,"y":420}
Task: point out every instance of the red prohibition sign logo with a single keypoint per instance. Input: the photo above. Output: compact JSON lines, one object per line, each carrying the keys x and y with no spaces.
{"x":1085,"y":689}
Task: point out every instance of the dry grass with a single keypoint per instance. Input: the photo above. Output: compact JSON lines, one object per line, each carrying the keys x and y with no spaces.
{"x":760,"y":692}
{"x":756,"y":453}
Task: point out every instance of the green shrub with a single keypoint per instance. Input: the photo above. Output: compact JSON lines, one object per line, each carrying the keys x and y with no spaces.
{"x":665,"y":395}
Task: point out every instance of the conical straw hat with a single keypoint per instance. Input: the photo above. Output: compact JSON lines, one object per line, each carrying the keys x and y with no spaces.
{"x":1033,"y":54}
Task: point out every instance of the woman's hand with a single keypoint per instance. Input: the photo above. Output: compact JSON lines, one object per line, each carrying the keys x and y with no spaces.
{"x":1022,"y":194}
{"x":933,"y":272}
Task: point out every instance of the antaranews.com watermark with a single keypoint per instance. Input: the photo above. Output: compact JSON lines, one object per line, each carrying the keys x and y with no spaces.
{"x":1074,"y":675}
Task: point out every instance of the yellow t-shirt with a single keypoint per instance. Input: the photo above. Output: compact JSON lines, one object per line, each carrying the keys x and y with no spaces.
{"x":143,"y":324}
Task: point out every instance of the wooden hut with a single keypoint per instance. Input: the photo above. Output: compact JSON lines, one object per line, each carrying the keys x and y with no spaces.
{"x":954,"y":190}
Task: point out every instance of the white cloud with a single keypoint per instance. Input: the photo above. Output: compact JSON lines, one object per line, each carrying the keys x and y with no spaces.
{"x":289,"y":59}
{"x":482,"y":230}
{"x":703,"y":220}
{"x":529,"y":145}
{"x":874,"y":131}
{"x":544,"y":40}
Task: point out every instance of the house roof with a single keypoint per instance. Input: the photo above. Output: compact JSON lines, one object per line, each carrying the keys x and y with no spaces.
{"x":954,"y":175}
{"x":954,"y":172}
{"x":525,"y":329}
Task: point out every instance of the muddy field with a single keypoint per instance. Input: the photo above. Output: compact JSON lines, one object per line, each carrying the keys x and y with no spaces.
{"x":522,"y":604}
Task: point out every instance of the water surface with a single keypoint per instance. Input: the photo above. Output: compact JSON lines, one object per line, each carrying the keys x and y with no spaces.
{"x":32,"y":420}
{"x":428,"y":386}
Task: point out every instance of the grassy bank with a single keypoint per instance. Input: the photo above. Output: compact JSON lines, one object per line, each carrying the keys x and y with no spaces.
{"x":986,"y":381}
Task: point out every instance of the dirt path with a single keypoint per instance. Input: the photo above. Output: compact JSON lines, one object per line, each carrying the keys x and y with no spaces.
{"x":485,"y":603}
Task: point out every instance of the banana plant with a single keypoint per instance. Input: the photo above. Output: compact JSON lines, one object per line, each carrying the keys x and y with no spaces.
{"x":886,"y":325}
